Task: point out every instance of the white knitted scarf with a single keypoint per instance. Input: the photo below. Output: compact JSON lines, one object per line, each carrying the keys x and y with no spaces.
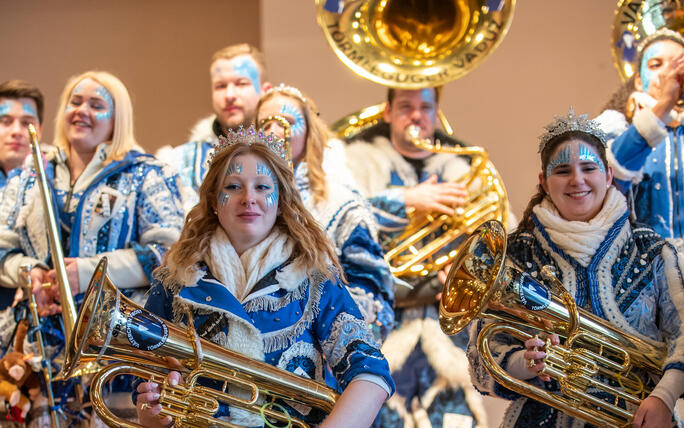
{"x":240,"y":273}
{"x":581,"y":239}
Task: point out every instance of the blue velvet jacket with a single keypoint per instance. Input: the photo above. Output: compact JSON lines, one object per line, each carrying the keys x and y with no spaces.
{"x":648,"y":160}
{"x":311,"y":328}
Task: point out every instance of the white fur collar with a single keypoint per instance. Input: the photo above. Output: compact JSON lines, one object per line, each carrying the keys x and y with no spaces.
{"x":239,"y":274}
{"x":581,"y":239}
{"x":203,"y":130}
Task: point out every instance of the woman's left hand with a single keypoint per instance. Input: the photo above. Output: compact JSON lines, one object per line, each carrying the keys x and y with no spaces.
{"x":71,"y":265}
{"x":653,"y":413}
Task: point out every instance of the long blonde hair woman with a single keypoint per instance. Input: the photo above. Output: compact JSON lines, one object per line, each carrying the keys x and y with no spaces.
{"x":259,"y":276}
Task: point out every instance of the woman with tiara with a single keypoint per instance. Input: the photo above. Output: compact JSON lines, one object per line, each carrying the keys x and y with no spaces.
{"x":327,"y":191}
{"x":624,"y":273}
{"x":260,"y":277}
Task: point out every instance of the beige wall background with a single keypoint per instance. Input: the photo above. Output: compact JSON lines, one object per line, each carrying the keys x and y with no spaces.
{"x":556,"y":54}
{"x":160,"y":49}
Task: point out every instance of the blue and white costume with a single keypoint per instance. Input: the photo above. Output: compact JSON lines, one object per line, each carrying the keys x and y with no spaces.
{"x":648,"y":157}
{"x":429,"y":368}
{"x":265,"y":306}
{"x":6,"y":293}
{"x":623,"y":273}
{"x":128,"y":210}
{"x":348,"y":221}
{"x":190,"y":159}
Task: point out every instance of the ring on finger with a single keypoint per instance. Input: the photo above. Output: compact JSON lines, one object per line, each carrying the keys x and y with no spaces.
{"x":530,"y":363}
{"x":144,"y":406}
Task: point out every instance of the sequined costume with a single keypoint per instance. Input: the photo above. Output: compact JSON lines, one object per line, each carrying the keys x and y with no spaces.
{"x":344,"y":217}
{"x":190,"y":159}
{"x":348,"y":221}
{"x":127,"y":210}
{"x":647,"y":157}
{"x":634,"y":280}
{"x":429,"y":368}
{"x":307,"y":326}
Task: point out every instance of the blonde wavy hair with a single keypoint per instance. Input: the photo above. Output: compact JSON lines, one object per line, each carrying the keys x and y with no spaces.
{"x":317,"y":136}
{"x":312,"y":248}
{"x":123,"y":139}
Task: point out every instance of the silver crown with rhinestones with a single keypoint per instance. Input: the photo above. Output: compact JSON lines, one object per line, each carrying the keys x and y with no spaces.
{"x":250,"y":136}
{"x":571,"y":122}
{"x":289,"y":90}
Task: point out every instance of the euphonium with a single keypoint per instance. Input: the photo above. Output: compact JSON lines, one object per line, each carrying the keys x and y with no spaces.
{"x":112,"y":328}
{"x":594,"y":366}
{"x":487,"y":200}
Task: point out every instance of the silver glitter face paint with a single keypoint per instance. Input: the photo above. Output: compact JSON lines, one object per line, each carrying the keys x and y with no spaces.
{"x":568,"y":155}
{"x":106,"y":115}
{"x":271,"y":198}
{"x":235,"y":168}
{"x":223,"y":198}
{"x":298,"y":126}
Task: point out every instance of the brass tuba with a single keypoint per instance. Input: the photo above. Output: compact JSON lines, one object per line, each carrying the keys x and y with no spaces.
{"x":112,"y":328}
{"x":636,"y":20}
{"x":410,"y":44}
{"x":413,"y":44}
{"x":596,"y":355}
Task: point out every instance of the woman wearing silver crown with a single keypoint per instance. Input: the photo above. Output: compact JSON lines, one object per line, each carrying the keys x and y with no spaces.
{"x":579,"y":223}
{"x":328,"y":193}
{"x":260,"y":278}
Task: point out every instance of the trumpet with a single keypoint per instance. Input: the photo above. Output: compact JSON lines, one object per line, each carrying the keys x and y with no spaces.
{"x":112,"y":328}
{"x":596,"y":355}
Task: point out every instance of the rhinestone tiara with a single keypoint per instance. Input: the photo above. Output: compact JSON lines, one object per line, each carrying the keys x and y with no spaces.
{"x":250,"y":136}
{"x":287,"y":89}
{"x":571,"y":122}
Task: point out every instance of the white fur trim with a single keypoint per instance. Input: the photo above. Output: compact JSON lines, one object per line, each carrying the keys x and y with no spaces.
{"x":612,"y":122}
{"x":649,"y":126}
{"x":400,"y":342}
{"x":370,"y":165}
{"x":619,"y":171}
{"x":203,"y":131}
{"x":451,"y":363}
{"x":674,"y":267}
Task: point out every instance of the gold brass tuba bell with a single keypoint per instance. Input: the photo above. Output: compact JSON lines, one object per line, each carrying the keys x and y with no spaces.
{"x":112,"y":328}
{"x":413,"y":44}
{"x":482,"y":283}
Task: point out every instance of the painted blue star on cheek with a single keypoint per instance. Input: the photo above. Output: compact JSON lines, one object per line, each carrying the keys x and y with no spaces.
{"x":298,"y":126}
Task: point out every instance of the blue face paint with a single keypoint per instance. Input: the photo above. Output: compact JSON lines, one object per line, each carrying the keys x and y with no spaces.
{"x":235,"y":168}
{"x":5,"y":108}
{"x":646,"y":74}
{"x":223,"y":198}
{"x":562,"y":158}
{"x":428,"y":94}
{"x":586,"y":154}
{"x":247,"y":68}
{"x":105,"y":115}
{"x":299,"y":126}
{"x":271,"y":198}
{"x":568,"y":155}
{"x":29,"y":110}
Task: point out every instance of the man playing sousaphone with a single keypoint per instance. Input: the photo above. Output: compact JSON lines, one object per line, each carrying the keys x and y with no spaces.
{"x":397,"y":177}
